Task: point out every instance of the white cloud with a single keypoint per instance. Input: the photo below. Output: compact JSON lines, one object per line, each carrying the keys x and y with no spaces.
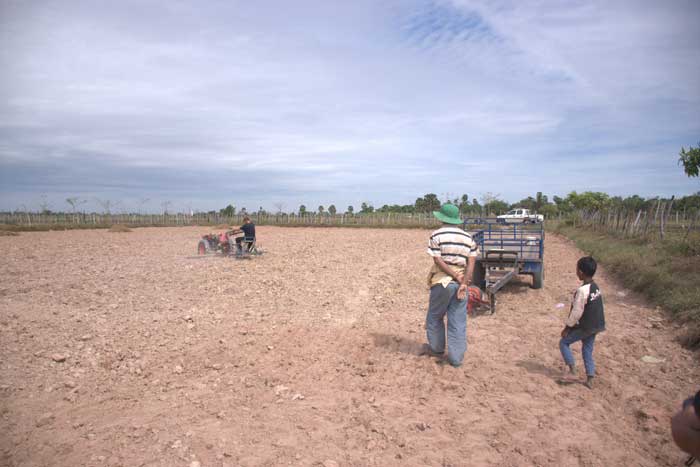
{"x":383,"y":99}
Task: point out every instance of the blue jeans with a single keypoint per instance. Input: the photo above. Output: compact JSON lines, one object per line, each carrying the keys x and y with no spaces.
{"x":588,"y":340}
{"x":443,"y":300}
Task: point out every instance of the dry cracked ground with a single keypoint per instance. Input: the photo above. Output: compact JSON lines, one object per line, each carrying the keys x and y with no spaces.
{"x":126,"y":349}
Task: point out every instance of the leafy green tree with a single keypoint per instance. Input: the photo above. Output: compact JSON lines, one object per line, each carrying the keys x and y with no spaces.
{"x":540,"y":200}
{"x":562,"y":205}
{"x":228,"y":211}
{"x":525,"y":203}
{"x":332,"y":210}
{"x":498,"y":206}
{"x":366,"y":208}
{"x":406,"y":208}
{"x":689,"y":203}
{"x":589,"y":200}
{"x":575,"y":200}
{"x":634,"y":203}
{"x":464,"y":204}
{"x":476,"y":207}
{"x":428,"y":203}
{"x":420,"y":205}
{"x":549,"y":210}
{"x":432,"y":203}
{"x":350,"y":210}
{"x":690,"y":160}
{"x":302,"y":210}
{"x":321,"y":209}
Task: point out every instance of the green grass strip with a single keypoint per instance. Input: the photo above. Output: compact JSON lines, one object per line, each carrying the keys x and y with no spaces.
{"x":666,"y":272}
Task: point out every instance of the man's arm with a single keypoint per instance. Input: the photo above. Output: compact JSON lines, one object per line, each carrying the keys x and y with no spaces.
{"x":469,"y":275}
{"x":466,"y":279}
{"x":446,"y":269}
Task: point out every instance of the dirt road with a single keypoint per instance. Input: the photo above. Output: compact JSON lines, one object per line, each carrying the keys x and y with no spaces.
{"x":127,"y":349}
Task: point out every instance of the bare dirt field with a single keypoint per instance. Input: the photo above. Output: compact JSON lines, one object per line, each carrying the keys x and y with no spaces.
{"x":127,"y":349}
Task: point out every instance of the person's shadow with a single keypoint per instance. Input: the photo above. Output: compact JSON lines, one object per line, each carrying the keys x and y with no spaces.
{"x":538,"y":369}
{"x":551,"y":373}
{"x":397,"y":343}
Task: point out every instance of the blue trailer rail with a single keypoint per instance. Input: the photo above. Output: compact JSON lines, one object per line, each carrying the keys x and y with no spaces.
{"x":506,"y":250}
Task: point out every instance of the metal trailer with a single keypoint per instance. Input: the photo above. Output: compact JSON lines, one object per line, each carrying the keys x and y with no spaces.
{"x":505,"y":252}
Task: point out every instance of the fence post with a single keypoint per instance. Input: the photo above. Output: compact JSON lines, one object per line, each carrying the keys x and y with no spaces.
{"x":636,"y":222}
{"x":690,"y":224}
{"x":664,"y":216}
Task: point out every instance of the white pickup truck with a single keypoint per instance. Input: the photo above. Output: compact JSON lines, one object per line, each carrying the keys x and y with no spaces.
{"x":520,"y":216}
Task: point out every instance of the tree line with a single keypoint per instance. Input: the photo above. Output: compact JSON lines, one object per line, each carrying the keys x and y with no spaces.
{"x":491,"y":204}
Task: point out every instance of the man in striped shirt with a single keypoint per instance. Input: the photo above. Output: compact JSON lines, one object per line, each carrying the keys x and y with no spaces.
{"x":454,"y":256}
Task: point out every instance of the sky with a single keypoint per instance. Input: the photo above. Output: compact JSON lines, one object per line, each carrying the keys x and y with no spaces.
{"x":195,"y":105}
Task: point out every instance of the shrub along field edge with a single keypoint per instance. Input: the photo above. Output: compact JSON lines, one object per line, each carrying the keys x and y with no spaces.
{"x":666,"y":272}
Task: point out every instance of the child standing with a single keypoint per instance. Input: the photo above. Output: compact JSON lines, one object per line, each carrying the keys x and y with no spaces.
{"x":586,"y":319}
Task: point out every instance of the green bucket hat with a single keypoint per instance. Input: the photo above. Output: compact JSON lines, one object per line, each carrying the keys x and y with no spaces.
{"x":448,"y":213}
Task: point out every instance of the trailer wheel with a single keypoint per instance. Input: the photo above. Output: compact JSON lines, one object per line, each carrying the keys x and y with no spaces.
{"x":479,"y":277}
{"x":538,"y":278}
{"x":202,"y":247}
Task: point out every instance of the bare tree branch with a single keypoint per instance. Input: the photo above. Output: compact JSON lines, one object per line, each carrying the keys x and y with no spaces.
{"x":106,"y":205}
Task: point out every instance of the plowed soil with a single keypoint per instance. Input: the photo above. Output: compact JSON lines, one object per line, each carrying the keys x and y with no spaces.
{"x":128,"y":349}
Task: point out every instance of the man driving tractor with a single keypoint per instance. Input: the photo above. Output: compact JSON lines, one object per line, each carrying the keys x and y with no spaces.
{"x":248,"y":231}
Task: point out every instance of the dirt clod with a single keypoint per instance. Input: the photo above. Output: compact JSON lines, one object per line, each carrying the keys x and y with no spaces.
{"x":45,"y":419}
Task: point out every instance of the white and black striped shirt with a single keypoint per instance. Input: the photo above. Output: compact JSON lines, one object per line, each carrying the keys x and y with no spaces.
{"x":453,"y":245}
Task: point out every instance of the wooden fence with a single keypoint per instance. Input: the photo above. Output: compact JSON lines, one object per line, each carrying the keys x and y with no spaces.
{"x":87,"y":220}
{"x":655,"y":222}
